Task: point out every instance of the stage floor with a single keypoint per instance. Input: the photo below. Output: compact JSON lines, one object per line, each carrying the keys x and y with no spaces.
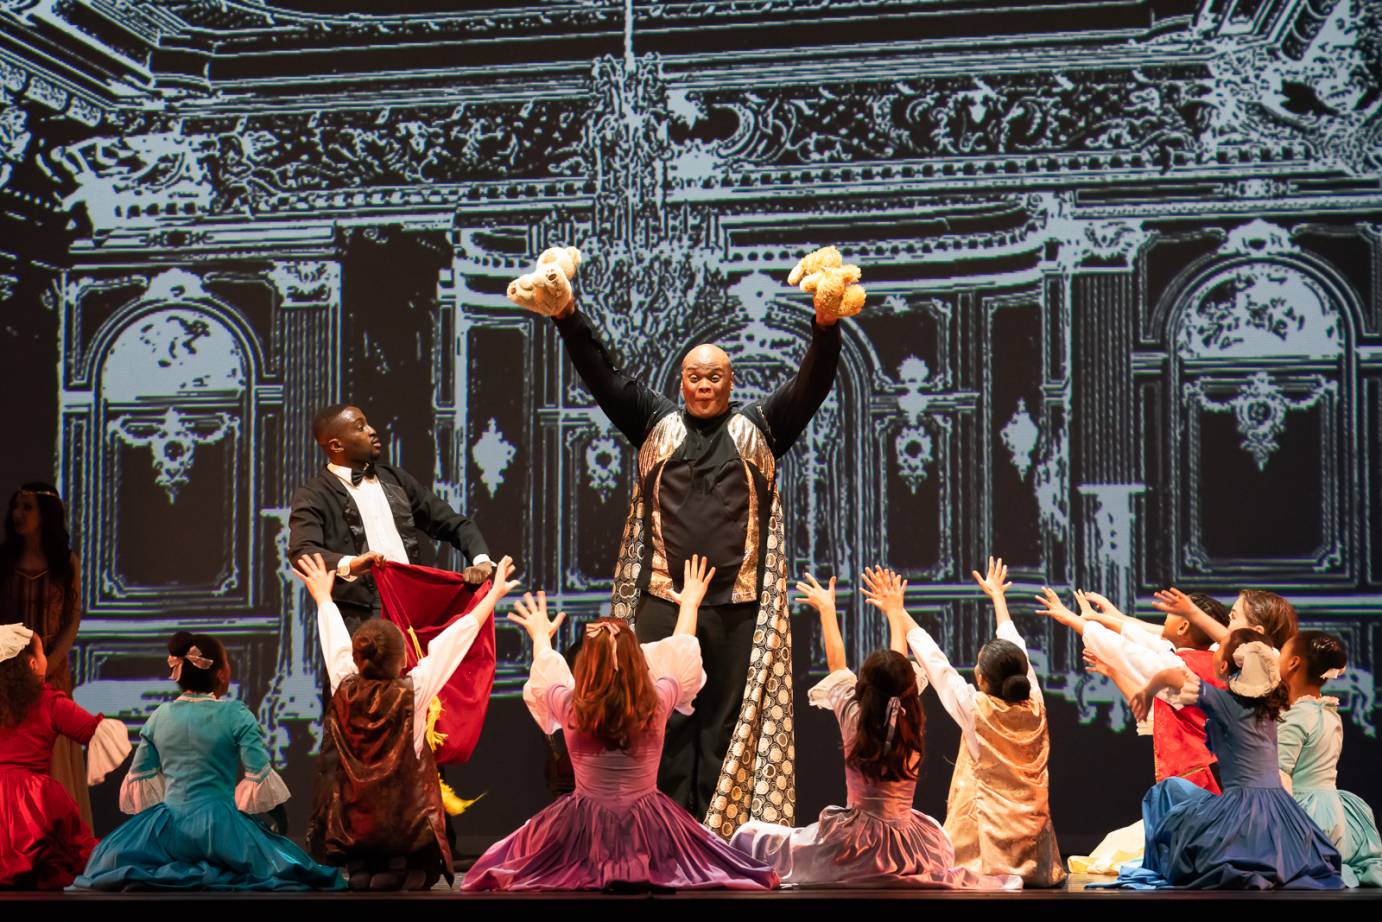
{"x":1073,"y":901}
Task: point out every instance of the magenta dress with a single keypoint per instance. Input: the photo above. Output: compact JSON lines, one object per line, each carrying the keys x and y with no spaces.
{"x":616,"y":827}
{"x":878,"y":840}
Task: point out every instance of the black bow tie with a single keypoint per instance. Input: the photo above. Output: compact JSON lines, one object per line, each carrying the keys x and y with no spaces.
{"x":358,"y":474}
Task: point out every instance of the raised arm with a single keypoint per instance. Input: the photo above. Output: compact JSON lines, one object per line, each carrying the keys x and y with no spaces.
{"x":1174,"y":602}
{"x":448,"y":649}
{"x":995,"y":585}
{"x":822,"y":599}
{"x":788,"y":410}
{"x":630,"y":404}
{"x":1166,"y":680}
{"x":696,"y":576}
{"x":331,"y":629}
{"x":883,"y":589}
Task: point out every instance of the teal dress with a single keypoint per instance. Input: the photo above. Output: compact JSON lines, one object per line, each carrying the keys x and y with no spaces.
{"x":1309,"y":742}
{"x":189,"y":831}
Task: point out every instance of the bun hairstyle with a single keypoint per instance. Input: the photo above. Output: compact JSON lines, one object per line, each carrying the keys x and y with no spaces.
{"x":20,"y":689}
{"x":614,"y":697}
{"x":191,"y":677}
{"x":378,"y":649}
{"x":1270,"y":705}
{"x":1320,"y":653}
{"x":1004,"y":668}
{"x":1273,"y":614}
{"x":885,"y":675}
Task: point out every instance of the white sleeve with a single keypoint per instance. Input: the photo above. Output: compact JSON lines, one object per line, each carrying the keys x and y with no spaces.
{"x":260,"y":793}
{"x":444,"y":655}
{"x":335,"y":641}
{"x":826,"y":693}
{"x":549,"y":671}
{"x":1135,"y":660}
{"x":1146,"y":635}
{"x":678,"y":657}
{"x":957,"y":695}
{"x":108,"y":747}
{"x":343,"y":568}
{"x":1008,"y":631}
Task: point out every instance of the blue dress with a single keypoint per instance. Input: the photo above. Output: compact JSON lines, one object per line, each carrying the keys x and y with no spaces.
{"x":189,"y":832}
{"x":1253,"y":836}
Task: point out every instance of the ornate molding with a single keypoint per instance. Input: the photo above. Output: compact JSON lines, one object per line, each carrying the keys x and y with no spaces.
{"x":1260,"y":409}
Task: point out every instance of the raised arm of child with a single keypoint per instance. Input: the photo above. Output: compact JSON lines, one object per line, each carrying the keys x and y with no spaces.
{"x":331,"y":627}
{"x":695,"y":583}
{"x":1174,"y":602}
{"x":822,"y":599}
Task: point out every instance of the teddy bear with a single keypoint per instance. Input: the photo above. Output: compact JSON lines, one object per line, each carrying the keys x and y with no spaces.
{"x":833,"y":282}
{"x":547,"y":289}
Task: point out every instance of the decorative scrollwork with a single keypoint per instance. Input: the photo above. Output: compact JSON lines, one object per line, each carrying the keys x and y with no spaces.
{"x":1260,"y":409}
{"x":173,"y":439}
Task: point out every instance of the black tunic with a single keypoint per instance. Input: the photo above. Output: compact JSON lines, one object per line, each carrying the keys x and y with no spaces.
{"x":703,"y":490}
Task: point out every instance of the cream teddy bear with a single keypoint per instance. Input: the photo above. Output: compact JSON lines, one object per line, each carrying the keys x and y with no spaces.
{"x":547,"y":289}
{"x":825,"y":273}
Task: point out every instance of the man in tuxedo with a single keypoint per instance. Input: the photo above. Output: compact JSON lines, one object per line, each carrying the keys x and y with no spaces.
{"x":358,"y":510}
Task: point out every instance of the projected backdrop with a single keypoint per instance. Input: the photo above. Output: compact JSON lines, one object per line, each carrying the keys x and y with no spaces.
{"x":1123,"y":325}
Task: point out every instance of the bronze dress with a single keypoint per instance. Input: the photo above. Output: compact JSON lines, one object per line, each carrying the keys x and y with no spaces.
{"x":49,"y":608}
{"x":377,"y":798}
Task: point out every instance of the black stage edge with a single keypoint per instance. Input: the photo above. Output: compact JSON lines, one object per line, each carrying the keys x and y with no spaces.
{"x":1072,"y":903}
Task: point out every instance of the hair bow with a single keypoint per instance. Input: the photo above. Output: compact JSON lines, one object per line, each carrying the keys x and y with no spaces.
{"x":894,"y":708}
{"x":193,"y":656}
{"x":610,"y":629}
{"x":1257,"y":669}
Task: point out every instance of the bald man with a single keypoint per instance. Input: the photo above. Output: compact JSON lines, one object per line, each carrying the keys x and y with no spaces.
{"x":358,"y":510}
{"x":706,"y":484}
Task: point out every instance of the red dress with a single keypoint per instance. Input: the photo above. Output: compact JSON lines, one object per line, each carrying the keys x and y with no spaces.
{"x":1178,"y":736}
{"x":44,"y":844}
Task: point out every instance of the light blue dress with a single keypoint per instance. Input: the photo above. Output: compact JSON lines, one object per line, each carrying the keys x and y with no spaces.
{"x":1253,"y":836}
{"x":1309,"y":743}
{"x":189,"y":832}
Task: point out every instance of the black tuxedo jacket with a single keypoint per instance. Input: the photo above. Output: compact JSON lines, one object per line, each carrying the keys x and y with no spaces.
{"x":326,"y":521}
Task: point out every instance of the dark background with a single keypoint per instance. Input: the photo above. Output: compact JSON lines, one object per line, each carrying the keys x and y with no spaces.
{"x":1124,"y":323}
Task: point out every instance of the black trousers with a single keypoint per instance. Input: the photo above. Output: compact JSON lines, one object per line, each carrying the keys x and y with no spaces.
{"x":695,"y":746}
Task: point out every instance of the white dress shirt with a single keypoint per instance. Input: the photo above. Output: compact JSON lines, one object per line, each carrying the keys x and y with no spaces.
{"x":381,"y":532}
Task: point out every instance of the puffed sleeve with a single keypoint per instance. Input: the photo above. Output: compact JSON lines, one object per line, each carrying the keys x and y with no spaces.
{"x":144,"y":785}
{"x":261,"y":789}
{"x":677,"y":658}
{"x":548,"y":690}
{"x":109,"y":746}
{"x":831,"y":692}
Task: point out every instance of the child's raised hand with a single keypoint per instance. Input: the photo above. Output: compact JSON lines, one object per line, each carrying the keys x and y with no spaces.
{"x":996,"y":582}
{"x":316,"y":576}
{"x":821,"y":598}
{"x":884,"y":590}
{"x":530,"y":614}
{"x":503,"y":579}
{"x":1173,"y":602}
{"x":696,"y":575}
{"x":1141,"y":703}
{"x":1102,"y":604}
{"x":1051,"y":606}
{"x":1093,"y":664}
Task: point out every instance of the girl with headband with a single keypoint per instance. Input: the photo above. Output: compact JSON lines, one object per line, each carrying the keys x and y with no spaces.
{"x":616,"y":830}
{"x":188,"y":831}
{"x":877,"y":839}
{"x":44,"y":843}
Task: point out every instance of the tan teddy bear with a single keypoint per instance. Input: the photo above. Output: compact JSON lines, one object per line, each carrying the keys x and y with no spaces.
{"x":547,"y":289}
{"x":825,"y":273}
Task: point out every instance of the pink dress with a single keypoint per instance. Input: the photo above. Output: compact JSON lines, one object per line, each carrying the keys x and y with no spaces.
{"x":878,"y":840}
{"x":616,"y":827}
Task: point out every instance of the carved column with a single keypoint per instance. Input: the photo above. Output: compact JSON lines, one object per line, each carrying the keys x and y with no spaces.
{"x":308,"y":330}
